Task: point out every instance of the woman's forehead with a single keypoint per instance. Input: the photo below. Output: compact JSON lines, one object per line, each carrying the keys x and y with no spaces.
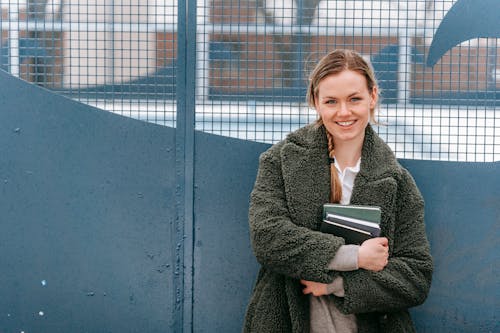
{"x":346,"y":81}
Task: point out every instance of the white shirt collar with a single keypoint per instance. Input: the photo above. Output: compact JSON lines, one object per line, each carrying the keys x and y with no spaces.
{"x":354,"y":169}
{"x":347,"y":179}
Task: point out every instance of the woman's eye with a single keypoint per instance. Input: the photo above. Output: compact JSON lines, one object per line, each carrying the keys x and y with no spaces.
{"x":331,"y":101}
{"x":355,"y":99}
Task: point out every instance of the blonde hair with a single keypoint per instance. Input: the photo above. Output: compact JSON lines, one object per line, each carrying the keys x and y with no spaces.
{"x":334,"y":63}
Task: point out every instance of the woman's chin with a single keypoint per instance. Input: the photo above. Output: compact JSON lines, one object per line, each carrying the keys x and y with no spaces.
{"x":347,"y":134}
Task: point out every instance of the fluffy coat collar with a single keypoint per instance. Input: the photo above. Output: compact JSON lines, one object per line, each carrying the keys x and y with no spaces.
{"x":377,"y":159}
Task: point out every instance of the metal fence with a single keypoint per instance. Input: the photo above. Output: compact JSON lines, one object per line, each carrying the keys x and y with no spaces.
{"x":251,"y":59}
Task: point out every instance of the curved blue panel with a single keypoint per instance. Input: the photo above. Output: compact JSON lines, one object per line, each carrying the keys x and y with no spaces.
{"x":86,"y":210}
{"x":467,"y":19}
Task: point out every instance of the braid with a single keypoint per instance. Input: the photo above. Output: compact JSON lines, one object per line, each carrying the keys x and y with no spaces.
{"x":336,"y":187}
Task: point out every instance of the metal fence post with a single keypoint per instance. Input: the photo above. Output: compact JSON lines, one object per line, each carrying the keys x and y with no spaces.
{"x":14,"y":39}
{"x":184,"y":161}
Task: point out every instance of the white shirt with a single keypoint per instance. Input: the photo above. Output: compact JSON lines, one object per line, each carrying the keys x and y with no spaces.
{"x":347,"y":177}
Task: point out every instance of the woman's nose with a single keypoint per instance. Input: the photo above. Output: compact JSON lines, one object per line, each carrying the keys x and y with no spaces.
{"x":343,"y":109}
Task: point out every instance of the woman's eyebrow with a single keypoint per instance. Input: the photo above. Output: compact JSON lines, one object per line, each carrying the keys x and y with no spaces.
{"x":350,"y":95}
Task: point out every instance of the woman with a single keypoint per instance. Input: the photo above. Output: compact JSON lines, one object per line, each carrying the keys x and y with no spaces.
{"x":314,"y":282}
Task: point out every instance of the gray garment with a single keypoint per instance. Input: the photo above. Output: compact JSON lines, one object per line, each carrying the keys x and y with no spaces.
{"x":326,"y":318}
{"x":324,"y":315}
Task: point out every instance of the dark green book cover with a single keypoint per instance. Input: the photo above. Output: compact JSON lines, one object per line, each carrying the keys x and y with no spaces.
{"x":367,"y":213}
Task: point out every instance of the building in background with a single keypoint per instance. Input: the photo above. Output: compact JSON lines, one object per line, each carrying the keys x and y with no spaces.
{"x":253,"y":49}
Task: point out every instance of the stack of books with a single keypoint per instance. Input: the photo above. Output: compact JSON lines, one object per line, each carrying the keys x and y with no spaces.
{"x":353,"y":223}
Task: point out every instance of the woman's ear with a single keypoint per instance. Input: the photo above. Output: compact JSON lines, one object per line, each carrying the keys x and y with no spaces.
{"x":315,"y":100}
{"x":374,"y":96}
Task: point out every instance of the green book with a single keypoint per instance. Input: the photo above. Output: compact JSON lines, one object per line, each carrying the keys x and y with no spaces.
{"x":366,"y":213}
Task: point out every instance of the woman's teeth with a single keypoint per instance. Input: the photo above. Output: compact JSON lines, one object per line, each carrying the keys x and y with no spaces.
{"x":345,"y":123}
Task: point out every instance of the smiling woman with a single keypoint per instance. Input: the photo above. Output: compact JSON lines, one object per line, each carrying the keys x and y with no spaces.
{"x":315,"y":282}
{"x":343,"y":91}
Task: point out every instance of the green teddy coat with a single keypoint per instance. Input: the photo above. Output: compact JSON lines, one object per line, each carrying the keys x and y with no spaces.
{"x":292,"y":184}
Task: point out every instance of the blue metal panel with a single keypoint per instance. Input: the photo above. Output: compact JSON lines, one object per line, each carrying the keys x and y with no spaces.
{"x":86,"y":215}
{"x":225,"y":268}
{"x":463,"y":225}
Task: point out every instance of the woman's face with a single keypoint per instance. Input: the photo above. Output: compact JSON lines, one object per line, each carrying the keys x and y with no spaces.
{"x":344,"y":103}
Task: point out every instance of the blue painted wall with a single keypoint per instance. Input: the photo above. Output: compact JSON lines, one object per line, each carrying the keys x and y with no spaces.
{"x":225,"y":268}
{"x":463,"y":224}
{"x":88,"y":205}
{"x":85,"y":205}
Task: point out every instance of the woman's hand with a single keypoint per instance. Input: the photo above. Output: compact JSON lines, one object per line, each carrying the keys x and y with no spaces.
{"x":315,"y":288}
{"x":373,"y":254}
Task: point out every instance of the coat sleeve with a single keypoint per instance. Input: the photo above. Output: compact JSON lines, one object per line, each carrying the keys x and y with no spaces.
{"x":278,"y":243}
{"x":406,"y":280}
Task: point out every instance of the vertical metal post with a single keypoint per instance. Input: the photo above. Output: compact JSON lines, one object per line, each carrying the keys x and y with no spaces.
{"x":203,"y":55}
{"x":297,"y":82}
{"x":190,"y":122}
{"x":184,"y":161}
{"x":404,"y":67}
{"x":491,"y":64}
{"x":14,"y":38}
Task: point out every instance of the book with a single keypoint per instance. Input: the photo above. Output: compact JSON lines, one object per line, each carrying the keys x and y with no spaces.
{"x":367,"y":213}
{"x":353,"y":223}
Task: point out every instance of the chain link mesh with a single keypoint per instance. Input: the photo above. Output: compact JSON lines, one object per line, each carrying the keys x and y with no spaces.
{"x":252,"y":62}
